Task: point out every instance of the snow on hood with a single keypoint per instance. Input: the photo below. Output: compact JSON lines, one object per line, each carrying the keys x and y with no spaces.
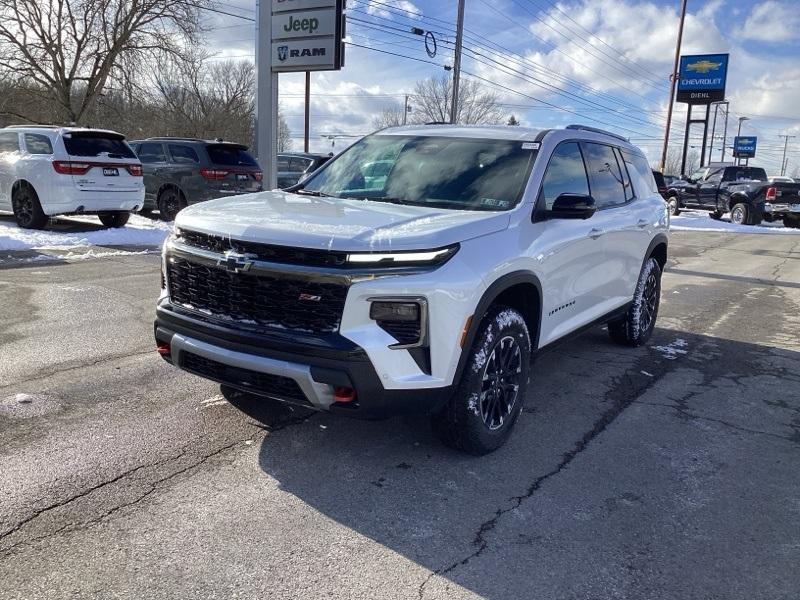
{"x":287,"y":219}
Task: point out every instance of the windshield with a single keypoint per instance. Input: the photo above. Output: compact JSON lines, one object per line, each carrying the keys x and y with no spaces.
{"x":456,"y":173}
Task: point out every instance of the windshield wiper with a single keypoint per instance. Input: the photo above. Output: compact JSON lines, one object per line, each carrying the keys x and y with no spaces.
{"x":304,"y":192}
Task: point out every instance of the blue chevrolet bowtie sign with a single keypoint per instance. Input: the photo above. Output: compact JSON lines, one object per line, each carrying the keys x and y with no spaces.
{"x":744,"y":146}
{"x":701,"y":79}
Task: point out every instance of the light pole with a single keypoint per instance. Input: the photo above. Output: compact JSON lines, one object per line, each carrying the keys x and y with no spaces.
{"x":741,"y":120}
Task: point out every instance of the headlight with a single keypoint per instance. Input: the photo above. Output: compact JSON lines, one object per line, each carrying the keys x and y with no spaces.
{"x":438,"y":256}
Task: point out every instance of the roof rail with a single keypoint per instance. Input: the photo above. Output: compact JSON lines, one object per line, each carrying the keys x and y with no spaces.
{"x":597,"y":130}
{"x":177,"y":137}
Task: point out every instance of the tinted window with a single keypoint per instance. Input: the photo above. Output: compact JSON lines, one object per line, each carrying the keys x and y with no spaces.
{"x":152,"y":153}
{"x":642,"y":175}
{"x":565,"y":174}
{"x":183,"y":154}
{"x":36,"y":143}
{"x":283,"y":163}
{"x":626,"y":180}
{"x":456,"y":173}
{"x":299,"y":165}
{"x":660,"y":181}
{"x":230,"y":156}
{"x":604,"y":175}
{"x":9,"y":141}
{"x":93,"y":144}
{"x":744,"y":173}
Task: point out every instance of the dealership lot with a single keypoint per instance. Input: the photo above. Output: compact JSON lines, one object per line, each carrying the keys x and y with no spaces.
{"x":665,"y":471}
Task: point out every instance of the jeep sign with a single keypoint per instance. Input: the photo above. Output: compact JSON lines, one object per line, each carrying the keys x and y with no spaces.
{"x":307,"y":35}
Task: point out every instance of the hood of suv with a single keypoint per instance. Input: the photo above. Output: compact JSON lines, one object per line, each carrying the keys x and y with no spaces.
{"x":337,"y":224}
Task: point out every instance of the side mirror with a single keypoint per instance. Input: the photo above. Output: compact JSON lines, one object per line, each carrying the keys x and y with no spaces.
{"x":572,"y":206}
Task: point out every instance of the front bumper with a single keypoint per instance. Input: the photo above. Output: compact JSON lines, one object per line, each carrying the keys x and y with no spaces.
{"x":317,"y":365}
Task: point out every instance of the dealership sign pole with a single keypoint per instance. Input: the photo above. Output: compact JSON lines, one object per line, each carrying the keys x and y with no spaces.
{"x":292,"y":36}
{"x":701,"y":80}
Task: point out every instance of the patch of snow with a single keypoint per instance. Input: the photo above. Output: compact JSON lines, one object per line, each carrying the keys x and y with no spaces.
{"x":77,"y":232}
{"x":700,"y":221}
{"x":673,"y":350}
{"x":646,"y":373}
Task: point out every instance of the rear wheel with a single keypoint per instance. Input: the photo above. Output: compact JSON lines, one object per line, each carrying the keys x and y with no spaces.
{"x":479,"y":416}
{"x":27,"y":208}
{"x":673,"y":206}
{"x":116,"y":218}
{"x":636,"y":327}
{"x":740,"y":214}
{"x":716,"y":215}
{"x":170,"y":203}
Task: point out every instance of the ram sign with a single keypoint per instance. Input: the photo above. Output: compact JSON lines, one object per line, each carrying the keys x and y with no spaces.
{"x":744,"y":146}
{"x":701,"y":79}
{"x":307,"y":35}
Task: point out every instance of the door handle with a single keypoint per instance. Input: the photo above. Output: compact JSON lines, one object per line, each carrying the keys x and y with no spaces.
{"x":595,"y":233}
{"x":642,"y":223}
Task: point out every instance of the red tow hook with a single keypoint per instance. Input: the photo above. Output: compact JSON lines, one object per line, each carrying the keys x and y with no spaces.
{"x":162,"y":348}
{"x":343,"y":394}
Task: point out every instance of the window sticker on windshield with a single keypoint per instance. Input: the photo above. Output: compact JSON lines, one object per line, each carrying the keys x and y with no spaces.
{"x":530,"y":145}
{"x":494,"y":202}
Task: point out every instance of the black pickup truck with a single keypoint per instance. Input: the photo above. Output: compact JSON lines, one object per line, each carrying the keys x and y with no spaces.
{"x":745,"y":192}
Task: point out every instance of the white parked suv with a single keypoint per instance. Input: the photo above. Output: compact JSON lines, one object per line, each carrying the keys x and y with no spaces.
{"x":429,"y":289}
{"x":47,"y":171}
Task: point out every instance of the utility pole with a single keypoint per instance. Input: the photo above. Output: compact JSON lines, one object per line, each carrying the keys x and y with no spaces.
{"x":457,"y":60}
{"x":785,"y":147}
{"x":405,"y":110}
{"x":673,"y":81}
{"x":307,"y":124}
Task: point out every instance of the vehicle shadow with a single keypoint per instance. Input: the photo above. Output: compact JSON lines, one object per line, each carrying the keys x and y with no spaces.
{"x":394,"y":483}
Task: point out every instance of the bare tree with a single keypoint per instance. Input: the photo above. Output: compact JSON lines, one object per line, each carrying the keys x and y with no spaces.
{"x":512,"y":121}
{"x":389,"y":117}
{"x":284,"y":134}
{"x":673,"y":164}
{"x":476,"y":104}
{"x":67,"y":51}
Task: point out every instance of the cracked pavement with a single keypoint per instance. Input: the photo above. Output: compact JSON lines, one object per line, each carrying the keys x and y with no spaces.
{"x":641,"y":473}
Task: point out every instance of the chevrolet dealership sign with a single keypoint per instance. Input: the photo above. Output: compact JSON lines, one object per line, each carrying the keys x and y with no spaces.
{"x":744,"y":146}
{"x":701,"y":79}
{"x":307,"y":35}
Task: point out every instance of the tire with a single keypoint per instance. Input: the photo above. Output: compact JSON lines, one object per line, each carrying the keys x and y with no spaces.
{"x":116,"y":218}
{"x":740,"y":214}
{"x":673,"y":206}
{"x":636,"y":327}
{"x":170,"y":202}
{"x":479,"y":416}
{"x":716,"y":215}
{"x":27,"y":208}
{"x":791,"y":222}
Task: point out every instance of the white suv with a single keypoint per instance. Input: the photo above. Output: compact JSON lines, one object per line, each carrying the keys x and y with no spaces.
{"x":429,"y":289}
{"x":47,"y":171}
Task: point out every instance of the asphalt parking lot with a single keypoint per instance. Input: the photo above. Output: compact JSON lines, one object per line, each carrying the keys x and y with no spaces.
{"x":668,"y":471}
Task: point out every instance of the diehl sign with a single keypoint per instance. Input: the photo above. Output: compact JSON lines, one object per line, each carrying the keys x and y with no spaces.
{"x":701,"y":79}
{"x":744,"y":146}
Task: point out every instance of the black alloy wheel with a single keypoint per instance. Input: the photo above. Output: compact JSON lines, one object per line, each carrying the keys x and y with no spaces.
{"x":500,"y":384}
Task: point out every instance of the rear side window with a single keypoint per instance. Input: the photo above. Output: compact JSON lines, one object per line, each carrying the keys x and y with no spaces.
{"x":565,"y":174}
{"x":626,"y":179}
{"x":152,"y":153}
{"x":641,"y":173}
{"x":299,"y":165}
{"x":36,"y":143}
{"x":230,"y":156}
{"x":9,"y":141}
{"x":93,"y":144}
{"x":605,"y":175}
{"x":184,"y":155}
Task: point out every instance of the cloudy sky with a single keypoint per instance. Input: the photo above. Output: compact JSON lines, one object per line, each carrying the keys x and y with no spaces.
{"x":599,"y":62}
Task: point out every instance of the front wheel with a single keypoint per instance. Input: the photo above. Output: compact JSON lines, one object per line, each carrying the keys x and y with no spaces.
{"x":673,"y":206}
{"x":636,"y":327}
{"x":117,"y":218}
{"x":479,"y":416}
{"x":170,"y":204}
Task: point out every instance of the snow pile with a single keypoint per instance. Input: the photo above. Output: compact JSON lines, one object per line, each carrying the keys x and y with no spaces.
{"x":700,"y":221}
{"x":673,"y":350}
{"x":76,"y":232}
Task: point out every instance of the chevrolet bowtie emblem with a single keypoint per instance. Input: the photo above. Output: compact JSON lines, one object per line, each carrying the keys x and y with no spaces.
{"x":703,"y":66}
{"x":235,"y":262}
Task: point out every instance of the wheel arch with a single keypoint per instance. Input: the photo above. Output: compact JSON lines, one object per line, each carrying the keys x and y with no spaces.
{"x":171,"y":186}
{"x":738,"y":198}
{"x":658,"y":249}
{"x":21,"y":182}
{"x":520,"y":290}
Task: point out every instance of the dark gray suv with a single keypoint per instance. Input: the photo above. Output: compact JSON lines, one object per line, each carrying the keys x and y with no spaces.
{"x":183,"y":171}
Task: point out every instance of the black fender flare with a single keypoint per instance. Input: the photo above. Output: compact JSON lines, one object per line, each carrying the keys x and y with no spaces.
{"x":659,"y":239}
{"x":494,"y":290}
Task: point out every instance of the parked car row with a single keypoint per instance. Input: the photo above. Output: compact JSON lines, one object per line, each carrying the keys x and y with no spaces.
{"x":50,"y":170}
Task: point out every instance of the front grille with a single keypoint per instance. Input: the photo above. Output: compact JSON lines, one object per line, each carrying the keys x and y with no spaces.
{"x":257,"y":300}
{"x":265,"y":252}
{"x":405,"y":332}
{"x":264,"y":383}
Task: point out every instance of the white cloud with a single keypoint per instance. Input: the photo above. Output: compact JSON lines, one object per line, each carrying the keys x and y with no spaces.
{"x":772,"y":21}
{"x":403,"y":5}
